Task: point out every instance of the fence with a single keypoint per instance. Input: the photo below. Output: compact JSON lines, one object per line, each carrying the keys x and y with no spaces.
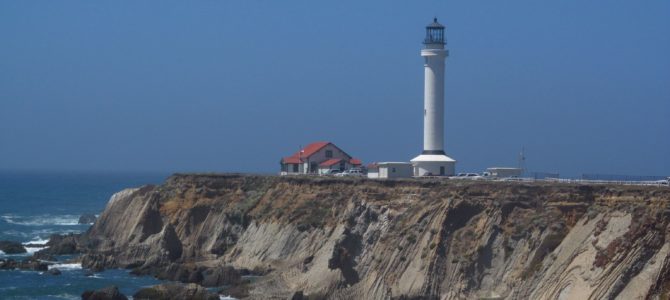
{"x":543,"y":175}
{"x":612,"y":177}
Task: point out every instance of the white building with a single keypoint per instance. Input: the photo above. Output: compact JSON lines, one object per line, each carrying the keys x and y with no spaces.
{"x":390,"y":170}
{"x":315,"y":157}
{"x":433,"y":161}
{"x":504,"y":172}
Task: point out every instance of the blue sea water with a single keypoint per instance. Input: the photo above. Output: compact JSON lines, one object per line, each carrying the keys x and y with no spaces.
{"x":34,"y":205}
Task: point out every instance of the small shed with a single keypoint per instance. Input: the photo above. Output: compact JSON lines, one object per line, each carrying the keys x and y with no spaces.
{"x":504,"y":172}
{"x":383,"y":170}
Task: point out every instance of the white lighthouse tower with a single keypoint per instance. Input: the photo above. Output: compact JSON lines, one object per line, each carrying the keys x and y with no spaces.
{"x":433,"y":161}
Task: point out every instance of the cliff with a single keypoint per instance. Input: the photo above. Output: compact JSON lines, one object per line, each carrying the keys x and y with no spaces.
{"x":405,"y":239}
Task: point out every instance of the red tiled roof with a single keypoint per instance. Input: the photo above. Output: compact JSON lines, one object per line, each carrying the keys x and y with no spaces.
{"x":309,"y":150}
{"x":306,"y":153}
{"x":330,"y":162}
{"x":372,"y":166}
{"x":290,"y":160}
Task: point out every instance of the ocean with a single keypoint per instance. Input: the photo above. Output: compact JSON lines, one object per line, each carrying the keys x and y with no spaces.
{"x":34,"y":205}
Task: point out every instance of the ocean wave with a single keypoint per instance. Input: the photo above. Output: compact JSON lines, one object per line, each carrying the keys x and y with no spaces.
{"x":36,"y":241}
{"x":221,"y":297}
{"x":42,"y":220}
{"x":66,"y":267}
{"x":45,"y":232}
{"x":65,"y":296}
{"x":32,"y":250}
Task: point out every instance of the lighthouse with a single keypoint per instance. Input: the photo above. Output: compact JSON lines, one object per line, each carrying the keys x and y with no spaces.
{"x":433,"y":161}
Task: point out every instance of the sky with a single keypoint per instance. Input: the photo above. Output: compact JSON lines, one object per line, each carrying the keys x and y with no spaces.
{"x":233,"y":86}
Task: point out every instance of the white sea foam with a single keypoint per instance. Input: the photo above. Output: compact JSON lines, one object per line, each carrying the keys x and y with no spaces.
{"x":32,"y":250}
{"x":221,"y":297}
{"x":2,"y":253}
{"x":66,"y":267}
{"x":65,"y":296}
{"x":50,"y":231}
{"x":36,"y":241}
{"x":42,"y":220}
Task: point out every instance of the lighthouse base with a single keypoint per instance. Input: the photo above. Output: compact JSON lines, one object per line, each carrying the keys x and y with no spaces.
{"x":433,"y":165}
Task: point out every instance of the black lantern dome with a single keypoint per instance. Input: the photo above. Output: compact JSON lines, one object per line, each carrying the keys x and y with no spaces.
{"x":434,"y":33}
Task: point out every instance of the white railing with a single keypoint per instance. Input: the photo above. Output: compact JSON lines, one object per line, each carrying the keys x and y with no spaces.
{"x":620,"y":182}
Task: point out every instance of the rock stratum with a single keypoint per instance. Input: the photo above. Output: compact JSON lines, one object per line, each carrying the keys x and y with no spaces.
{"x":314,"y":238}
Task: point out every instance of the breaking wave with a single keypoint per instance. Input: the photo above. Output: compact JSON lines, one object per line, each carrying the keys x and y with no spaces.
{"x":36,"y":241}
{"x":65,"y":296}
{"x":42,"y":220}
{"x":66,"y":267}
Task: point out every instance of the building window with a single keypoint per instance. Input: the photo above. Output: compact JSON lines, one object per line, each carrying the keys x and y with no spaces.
{"x":392,"y":170}
{"x":295,"y":168}
{"x":329,"y":153}
{"x":442,"y":171}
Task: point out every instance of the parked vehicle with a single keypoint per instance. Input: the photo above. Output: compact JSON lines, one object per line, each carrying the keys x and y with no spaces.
{"x":331,"y":172}
{"x":469,"y":176}
{"x":351,"y":172}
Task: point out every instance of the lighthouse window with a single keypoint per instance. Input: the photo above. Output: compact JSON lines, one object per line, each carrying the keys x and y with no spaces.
{"x":329,"y":153}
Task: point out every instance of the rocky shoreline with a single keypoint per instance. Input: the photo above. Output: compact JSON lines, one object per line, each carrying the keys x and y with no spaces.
{"x":43,"y":260}
{"x":260,"y":237}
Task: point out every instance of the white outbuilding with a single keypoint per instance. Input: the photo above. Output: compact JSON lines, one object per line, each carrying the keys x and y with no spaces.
{"x":504,"y":172}
{"x":384,"y":170}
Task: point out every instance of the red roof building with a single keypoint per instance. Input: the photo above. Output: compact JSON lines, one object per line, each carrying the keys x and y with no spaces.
{"x":318,"y":158}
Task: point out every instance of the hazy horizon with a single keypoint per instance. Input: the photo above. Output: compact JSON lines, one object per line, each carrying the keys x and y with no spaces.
{"x":233,"y":87}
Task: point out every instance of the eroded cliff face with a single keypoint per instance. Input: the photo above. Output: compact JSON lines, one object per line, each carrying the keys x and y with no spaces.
{"x":364,"y":239}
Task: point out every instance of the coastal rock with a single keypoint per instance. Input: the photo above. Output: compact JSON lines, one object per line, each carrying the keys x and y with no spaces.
{"x":342,"y":238}
{"x":87,"y":219}
{"x":43,"y":255}
{"x":7,"y":264}
{"x":32,"y":264}
{"x":108,"y":293}
{"x":62,"y":244}
{"x":175,"y":291}
{"x":9,"y":247}
{"x":28,"y":264}
{"x":219,"y":276}
{"x":54,"y":271}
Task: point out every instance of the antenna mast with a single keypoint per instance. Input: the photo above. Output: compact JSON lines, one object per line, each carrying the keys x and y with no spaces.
{"x":522,"y":160}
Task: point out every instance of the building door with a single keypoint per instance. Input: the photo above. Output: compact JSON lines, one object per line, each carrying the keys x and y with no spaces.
{"x":312,"y":167}
{"x":442,"y":171}
{"x":295,"y":168}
